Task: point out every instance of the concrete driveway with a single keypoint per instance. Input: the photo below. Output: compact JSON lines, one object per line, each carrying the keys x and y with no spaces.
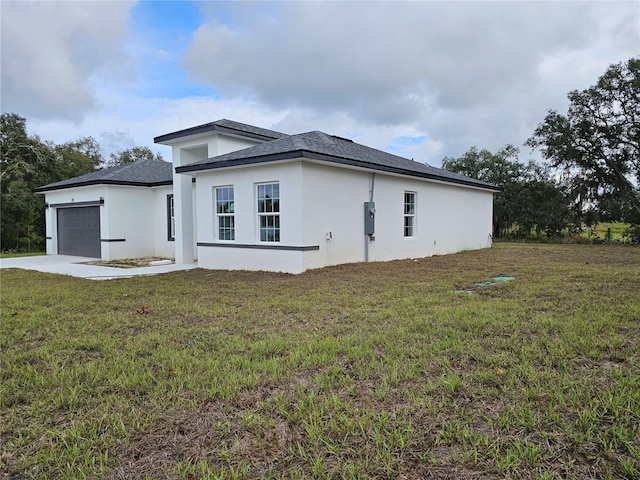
{"x":77,"y":267}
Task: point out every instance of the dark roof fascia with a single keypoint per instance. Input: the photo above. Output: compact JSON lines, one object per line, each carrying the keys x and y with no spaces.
{"x":401,"y":171}
{"x":101,"y":182}
{"x":332,"y":159}
{"x":241,"y":161}
{"x":210,"y":127}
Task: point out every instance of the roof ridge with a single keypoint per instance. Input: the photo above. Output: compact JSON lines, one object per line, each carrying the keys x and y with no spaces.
{"x":298,"y":141}
{"x":319,"y":136}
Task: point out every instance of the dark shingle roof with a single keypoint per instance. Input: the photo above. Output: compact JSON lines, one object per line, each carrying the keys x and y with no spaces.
{"x":278,"y":146}
{"x":223,"y":126}
{"x":143,"y":173}
{"x":320,"y":146}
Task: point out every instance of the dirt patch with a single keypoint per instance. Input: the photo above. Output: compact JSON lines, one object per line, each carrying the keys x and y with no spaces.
{"x":127,"y":262}
{"x":184,"y":437}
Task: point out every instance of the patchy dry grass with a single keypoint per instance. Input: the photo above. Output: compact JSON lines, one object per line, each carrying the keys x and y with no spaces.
{"x":357,"y":371}
{"x":129,"y":262}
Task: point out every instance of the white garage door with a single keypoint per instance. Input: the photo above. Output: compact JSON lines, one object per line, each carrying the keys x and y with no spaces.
{"x":79,"y":231}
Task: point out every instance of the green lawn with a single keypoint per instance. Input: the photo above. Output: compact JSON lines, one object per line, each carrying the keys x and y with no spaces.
{"x":617,"y":230}
{"x":376,"y":370}
{"x":20,"y":254}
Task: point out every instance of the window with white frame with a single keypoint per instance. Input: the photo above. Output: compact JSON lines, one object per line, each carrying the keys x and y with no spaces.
{"x":171,"y":218}
{"x":409,"y":214}
{"x":225,"y":213}
{"x":269,"y":212}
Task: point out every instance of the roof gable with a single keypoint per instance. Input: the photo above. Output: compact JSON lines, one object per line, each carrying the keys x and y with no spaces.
{"x":143,"y":173}
{"x":317,"y":145}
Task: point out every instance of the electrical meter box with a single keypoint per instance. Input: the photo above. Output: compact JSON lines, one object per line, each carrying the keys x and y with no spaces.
{"x":369,"y":218}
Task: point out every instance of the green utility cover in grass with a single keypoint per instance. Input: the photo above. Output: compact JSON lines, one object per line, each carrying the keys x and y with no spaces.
{"x":485,"y":284}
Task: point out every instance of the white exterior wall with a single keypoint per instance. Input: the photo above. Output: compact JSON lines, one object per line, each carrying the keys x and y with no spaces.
{"x":244,"y":181}
{"x":163,"y":246}
{"x":133,"y":220}
{"x":185,"y":210}
{"x":448,"y":218}
{"x":333,"y":200}
{"x":130,"y":213}
{"x":322,"y":217}
{"x":183,"y":153}
{"x":71,"y":195}
{"x":231,"y":144}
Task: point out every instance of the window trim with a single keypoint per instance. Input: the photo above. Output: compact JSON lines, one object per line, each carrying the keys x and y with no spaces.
{"x":409,"y":215}
{"x":171,"y":218}
{"x":219,"y":215}
{"x":273,"y":213}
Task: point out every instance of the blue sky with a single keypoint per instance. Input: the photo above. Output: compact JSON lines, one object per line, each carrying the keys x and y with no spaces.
{"x":160,"y":35}
{"x":423,"y":80}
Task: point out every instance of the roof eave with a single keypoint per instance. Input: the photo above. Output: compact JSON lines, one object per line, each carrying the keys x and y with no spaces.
{"x":171,"y":138}
{"x":331,"y":159}
{"x":401,"y":171}
{"x":240,"y":162}
{"x":90,"y":183}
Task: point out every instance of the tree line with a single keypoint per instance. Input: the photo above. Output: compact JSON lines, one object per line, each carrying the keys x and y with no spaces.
{"x":591,"y":169}
{"x":27,"y":162}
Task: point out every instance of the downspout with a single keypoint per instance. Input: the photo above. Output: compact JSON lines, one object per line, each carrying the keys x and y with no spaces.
{"x":367,"y":238}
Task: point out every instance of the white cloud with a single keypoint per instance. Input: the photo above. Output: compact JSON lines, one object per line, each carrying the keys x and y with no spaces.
{"x":50,"y":50}
{"x":462,"y":73}
{"x":125,"y":122}
{"x":380,"y":59}
{"x":451,"y":74}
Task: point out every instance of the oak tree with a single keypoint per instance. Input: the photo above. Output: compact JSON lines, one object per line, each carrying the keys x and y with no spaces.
{"x":530,"y":198}
{"x":131,"y":155}
{"x":595,"y":146}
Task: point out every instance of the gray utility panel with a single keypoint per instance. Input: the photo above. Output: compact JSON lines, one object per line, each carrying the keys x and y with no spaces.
{"x":79,"y":231}
{"x":369,"y":218}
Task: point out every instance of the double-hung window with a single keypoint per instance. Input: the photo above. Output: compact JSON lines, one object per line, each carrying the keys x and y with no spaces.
{"x":409,"y":214}
{"x":269,"y":212}
{"x":225,"y":213}
{"x":171,"y":218}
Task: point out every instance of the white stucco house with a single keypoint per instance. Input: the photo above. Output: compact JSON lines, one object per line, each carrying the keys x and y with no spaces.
{"x":242,"y":197}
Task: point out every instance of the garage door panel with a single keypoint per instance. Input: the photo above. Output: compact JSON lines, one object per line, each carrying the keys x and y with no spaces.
{"x":79,"y":231}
